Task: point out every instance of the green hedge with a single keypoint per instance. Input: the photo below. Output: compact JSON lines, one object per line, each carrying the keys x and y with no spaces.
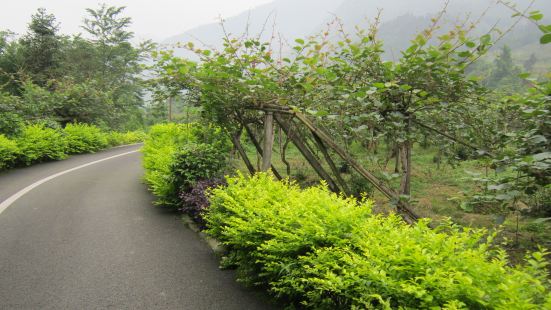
{"x":160,"y":145}
{"x":9,"y":152}
{"x":38,"y":143}
{"x":194,"y":162}
{"x":322,"y":251}
{"x":115,"y":138}
{"x":84,"y":138}
{"x":178,"y":155}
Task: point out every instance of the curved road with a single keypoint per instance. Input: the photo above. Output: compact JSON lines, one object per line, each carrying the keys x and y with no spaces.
{"x":90,"y":239}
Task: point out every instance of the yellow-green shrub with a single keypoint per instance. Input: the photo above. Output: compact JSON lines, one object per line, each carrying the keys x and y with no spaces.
{"x":162,"y":142}
{"x":122,"y":138}
{"x":84,"y":138}
{"x":324,"y":251}
{"x":8,"y":152}
{"x":38,"y":143}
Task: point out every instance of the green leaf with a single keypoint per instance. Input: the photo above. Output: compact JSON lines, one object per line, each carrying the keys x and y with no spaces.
{"x":542,"y":156}
{"x":545,"y":28}
{"x":379,"y":85}
{"x":546,"y":39}
{"x":300,"y":41}
{"x":486,"y":39}
{"x":536,"y":16}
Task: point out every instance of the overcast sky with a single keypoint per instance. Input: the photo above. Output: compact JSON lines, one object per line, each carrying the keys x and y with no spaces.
{"x":152,"y":19}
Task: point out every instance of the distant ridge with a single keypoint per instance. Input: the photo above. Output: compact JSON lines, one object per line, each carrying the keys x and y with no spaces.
{"x":401,"y":20}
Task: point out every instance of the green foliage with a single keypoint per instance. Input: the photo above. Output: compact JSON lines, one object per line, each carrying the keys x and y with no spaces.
{"x":11,"y":121}
{"x":38,"y":143}
{"x":42,"y":47}
{"x":83,"y":138}
{"x":328,"y":252}
{"x":45,"y":141}
{"x":162,"y":142}
{"x":505,"y":74}
{"x":115,"y":138}
{"x":194,"y":162}
{"x":73,"y":79}
{"x":9,"y":152}
{"x":178,"y":155}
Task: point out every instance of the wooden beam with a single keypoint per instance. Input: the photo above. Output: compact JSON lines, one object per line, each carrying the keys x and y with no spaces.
{"x":235,"y":138}
{"x":331,"y":164}
{"x":403,"y":207}
{"x":457,"y":140}
{"x":299,"y":143}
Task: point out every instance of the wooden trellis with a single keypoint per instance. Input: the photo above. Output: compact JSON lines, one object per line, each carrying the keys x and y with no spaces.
{"x":288,"y":120}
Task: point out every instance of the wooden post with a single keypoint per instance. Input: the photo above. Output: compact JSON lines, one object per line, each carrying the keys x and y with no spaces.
{"x":259,"y":149}
{"x":405,"y":157}
{"x":268,"y":141}
{"x":170,"y":109}
{"x":406,"y":148}
{"x":299,"y":143}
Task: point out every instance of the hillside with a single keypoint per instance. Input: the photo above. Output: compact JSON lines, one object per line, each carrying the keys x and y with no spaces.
{"x":401,"y":20}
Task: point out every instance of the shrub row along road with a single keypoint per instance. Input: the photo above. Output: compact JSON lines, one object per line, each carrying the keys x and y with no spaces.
{"x":90,"y":239}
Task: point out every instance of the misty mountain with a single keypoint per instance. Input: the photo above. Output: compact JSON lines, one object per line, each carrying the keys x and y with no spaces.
{"x":286,"y":18}
{"x":401,"y":20}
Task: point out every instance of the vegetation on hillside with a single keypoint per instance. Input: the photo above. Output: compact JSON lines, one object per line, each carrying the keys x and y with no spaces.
{"x":92,"y":78}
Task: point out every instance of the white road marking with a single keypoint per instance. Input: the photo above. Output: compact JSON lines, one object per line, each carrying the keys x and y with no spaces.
{"x":6,"y":203}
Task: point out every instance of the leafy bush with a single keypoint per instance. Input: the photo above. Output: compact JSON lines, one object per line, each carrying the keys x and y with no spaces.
{"x":84,"y":138}
{"x":115,"y":138}
{"x":38,"y":143}
{"x":178,"y":155}
{"x":161,"y":144}
{"x":196,"y":161}
{"x":195,"y":202}
{"x":8,"y":152}
{"x":329,"y":252}
{"x":212,"y":135}
{"x":11,"y":121}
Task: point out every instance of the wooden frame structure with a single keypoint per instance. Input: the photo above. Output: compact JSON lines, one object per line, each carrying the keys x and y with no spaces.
{"x":287,"y":119}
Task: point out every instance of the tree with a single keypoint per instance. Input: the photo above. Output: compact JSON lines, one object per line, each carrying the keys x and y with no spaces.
{"x":530,"y":62}
{"x":42,"y":47}
{"x":116,"y":61}
{"x":11,"y":61}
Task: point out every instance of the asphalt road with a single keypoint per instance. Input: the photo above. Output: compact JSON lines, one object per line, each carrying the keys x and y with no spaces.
{"x":91,"y":239}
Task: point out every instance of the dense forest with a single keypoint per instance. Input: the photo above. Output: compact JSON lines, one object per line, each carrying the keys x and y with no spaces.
{"x":92,"y":78}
